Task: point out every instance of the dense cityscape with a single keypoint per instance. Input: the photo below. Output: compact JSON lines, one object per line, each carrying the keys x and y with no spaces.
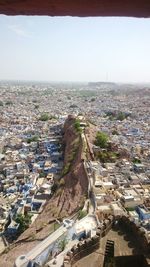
{"x":74,"y":166}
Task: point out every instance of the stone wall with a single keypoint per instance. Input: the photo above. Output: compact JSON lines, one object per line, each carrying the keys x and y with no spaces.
{"x":89,"y":245}
{"x":137,"y":231}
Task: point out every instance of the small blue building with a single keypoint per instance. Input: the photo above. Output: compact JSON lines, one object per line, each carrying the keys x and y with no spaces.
{"x":12,"y":228}
{"x":144,"y":213}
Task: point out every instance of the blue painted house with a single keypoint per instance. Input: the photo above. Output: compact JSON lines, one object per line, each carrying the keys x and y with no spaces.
{"x":144,"y":213}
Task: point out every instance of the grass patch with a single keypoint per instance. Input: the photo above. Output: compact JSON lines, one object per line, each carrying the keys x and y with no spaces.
{"x":136,"y":161}
{"x":82,"y":214}
{"x":101,"y":139}
{"x":71,"y":156}
{"x":34,"y":138}
{"x":77,"y":126}
{"x":66,"y":169}
{"x":107,"y":156}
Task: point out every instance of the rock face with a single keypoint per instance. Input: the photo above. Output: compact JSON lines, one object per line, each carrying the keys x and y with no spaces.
{"x":67,"y":199}
{"x":76,"y":181}
{"x":134,"y":8}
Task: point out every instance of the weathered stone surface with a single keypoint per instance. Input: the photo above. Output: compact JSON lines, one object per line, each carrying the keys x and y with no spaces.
{"x":98,"y":232}
{"x":135,"y":8}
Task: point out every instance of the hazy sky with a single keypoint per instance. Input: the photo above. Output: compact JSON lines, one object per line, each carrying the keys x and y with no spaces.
{"x":75,"y":49}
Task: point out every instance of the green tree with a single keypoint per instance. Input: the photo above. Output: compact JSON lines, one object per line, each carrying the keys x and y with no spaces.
{"x":115,"y":132}
{"x":8,"y":103}
{"x":136,"y":160}
{"x":42,"y":174}
{"x":1,"y":103}
{"x":44,"y":117}
{"x":24,"y":222}
{"x":101,"y":139}
{"x":62,"y":244}
{"x":34,"y":138}
{"x":121,"y":116}
{"x":77,"y":125}
{"x":107,"y":156}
